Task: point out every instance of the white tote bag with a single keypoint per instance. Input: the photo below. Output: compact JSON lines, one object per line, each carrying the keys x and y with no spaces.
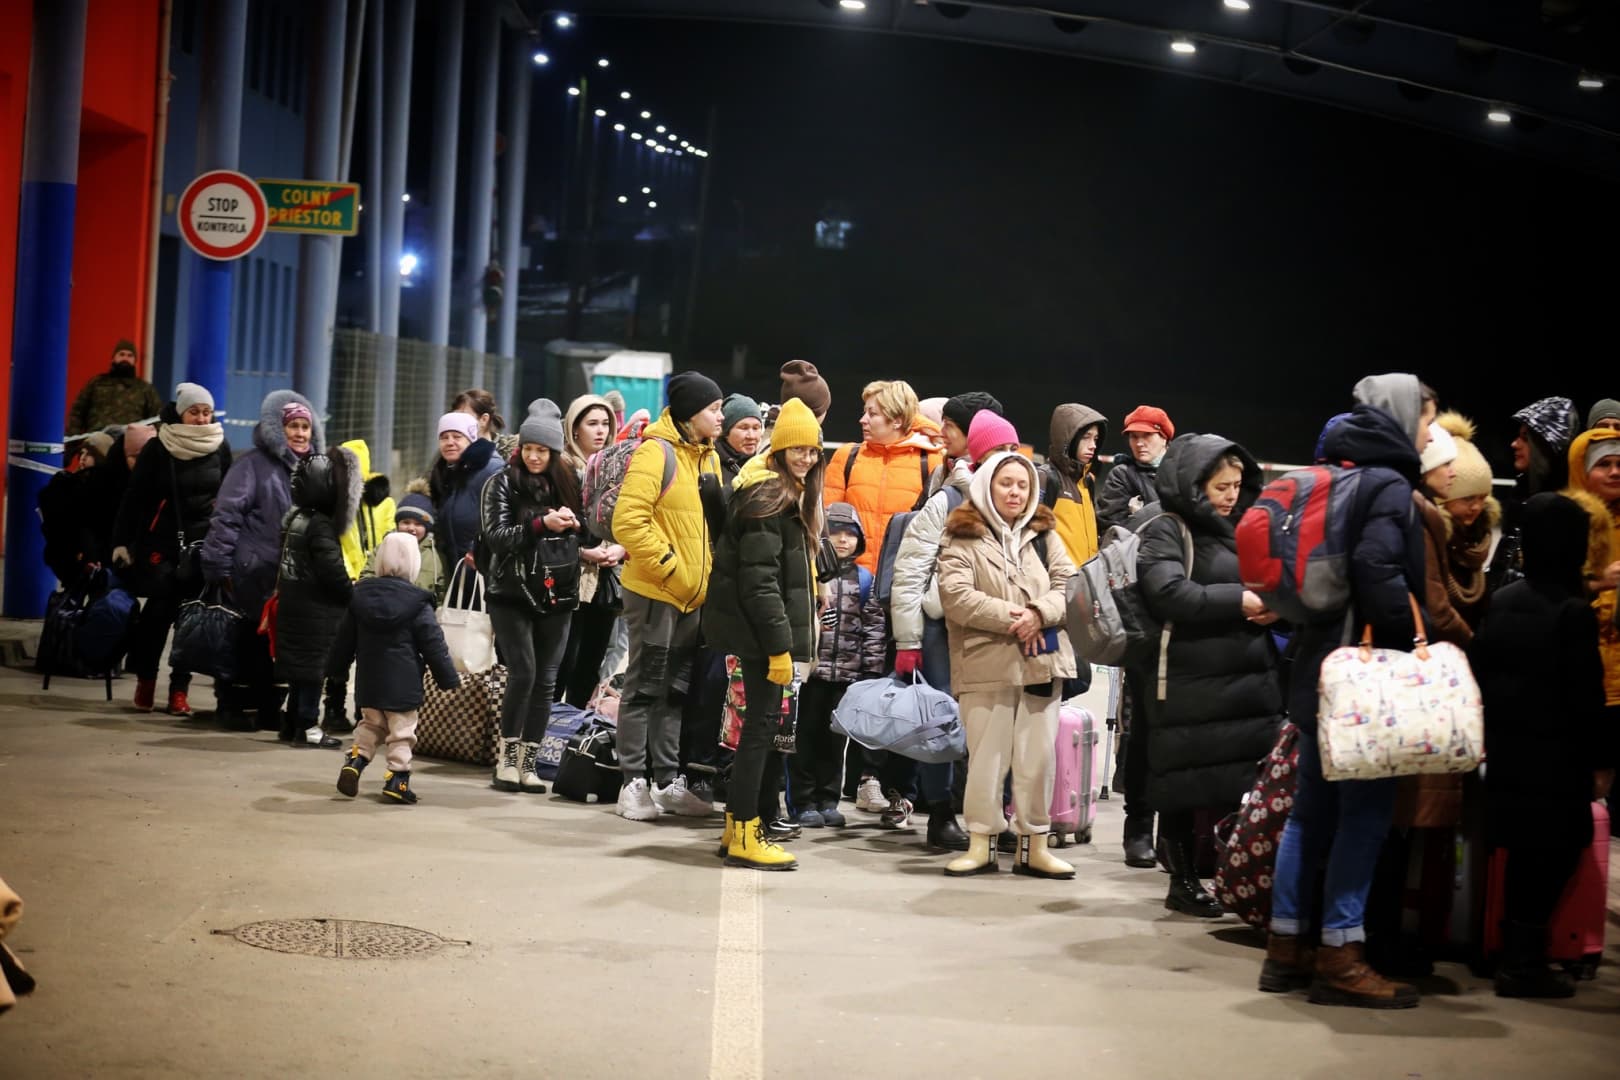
{"x":468,"y":633}
{"x":1383,"y":712}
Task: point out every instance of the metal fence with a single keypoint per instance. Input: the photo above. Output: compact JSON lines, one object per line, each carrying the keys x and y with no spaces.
{"x":426,"y":377}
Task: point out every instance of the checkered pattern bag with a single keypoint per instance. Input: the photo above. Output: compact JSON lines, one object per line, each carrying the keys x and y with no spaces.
{"x":462,"y":724}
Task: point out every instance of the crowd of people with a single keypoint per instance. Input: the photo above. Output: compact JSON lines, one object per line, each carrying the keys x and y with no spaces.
{"x":744,"y":562}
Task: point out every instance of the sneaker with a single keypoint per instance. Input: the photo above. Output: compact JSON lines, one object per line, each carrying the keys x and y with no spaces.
{"x":810,"y":819}
{"x":898,"y":815}
{"x":178,"y":705}
{"x":832,"y":817}
{"x":782,"y":830}
{"x":636,"y":802}
{"x":314,"y":736}
{"x":676,"y":798}
{"x":703,"y":789}
{"x":869,"y":796}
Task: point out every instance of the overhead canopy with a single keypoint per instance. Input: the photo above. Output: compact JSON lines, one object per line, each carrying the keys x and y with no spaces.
{"x":1441,"y":64}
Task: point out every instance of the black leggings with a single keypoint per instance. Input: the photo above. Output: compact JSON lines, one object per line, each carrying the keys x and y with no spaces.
{"x":756,"y":745}
{"x":589,"y":632}
{"x":152,"y":631}
{"x":532,"y":646}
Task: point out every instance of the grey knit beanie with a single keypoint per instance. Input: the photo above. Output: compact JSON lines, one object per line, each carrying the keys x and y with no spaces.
{"x":543,"y":425}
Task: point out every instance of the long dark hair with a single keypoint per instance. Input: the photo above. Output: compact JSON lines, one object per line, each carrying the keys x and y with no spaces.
{"x":783,"y":492}
{"x":556,"y":483}
{"x":482,"y":403}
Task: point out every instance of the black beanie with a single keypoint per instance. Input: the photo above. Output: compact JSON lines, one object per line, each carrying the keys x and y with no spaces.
{"x":961,"y":409}
{"x":690,"y":393}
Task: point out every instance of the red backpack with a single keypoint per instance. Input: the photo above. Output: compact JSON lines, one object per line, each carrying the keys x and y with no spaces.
{"x":1294,"y":543}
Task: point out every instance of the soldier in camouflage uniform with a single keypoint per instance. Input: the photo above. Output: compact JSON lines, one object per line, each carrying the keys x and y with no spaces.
{"x":117,"y":396}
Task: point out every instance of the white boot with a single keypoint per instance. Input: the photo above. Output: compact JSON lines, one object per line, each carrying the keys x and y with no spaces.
{"x":1035,"y":859}
{"x":528,"y":779}
{"x":507,"y":776}
{"x":980,"y":858}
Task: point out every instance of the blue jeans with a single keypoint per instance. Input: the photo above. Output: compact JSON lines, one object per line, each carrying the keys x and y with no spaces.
{"x":1341,"y":825}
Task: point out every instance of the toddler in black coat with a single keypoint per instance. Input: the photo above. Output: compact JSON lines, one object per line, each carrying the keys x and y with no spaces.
{"x":391,"y":630}
{"x":1540,"y":673}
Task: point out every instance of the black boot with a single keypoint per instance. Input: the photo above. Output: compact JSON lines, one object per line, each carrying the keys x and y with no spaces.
{"x":1187,"y":893}
{"x":397,"y":786}
{"x":348,"y":782}
{"x":944,"y":834}
{"x":1523,"y":971}
{"x":1139,"y":843}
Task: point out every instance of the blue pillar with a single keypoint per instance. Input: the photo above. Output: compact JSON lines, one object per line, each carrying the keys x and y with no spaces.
{"x":441,"y":255}
{"x":39,"y":339}
{"x":401,"y":26}
{"x":219,"y":136}
{"x":481,"y":183}
{"x":318,"y":255}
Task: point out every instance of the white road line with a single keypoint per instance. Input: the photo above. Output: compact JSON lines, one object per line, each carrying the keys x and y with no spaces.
{"x":737,"y":1042}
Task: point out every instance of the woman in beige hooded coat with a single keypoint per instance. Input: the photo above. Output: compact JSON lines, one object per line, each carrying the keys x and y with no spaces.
{"x":1002,"y":574}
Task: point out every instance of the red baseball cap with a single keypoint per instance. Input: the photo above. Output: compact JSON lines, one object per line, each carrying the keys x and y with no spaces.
{"x":1150,"y":418}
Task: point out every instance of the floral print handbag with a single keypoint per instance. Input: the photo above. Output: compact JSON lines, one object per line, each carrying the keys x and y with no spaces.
{"x":1384,"y":712}
{"x":731,"y":716}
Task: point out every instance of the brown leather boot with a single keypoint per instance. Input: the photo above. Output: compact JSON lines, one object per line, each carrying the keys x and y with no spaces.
{"x":1288,"y":964}
{"x":1343,"y":978}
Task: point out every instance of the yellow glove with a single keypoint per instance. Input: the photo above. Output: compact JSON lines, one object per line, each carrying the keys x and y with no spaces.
{"x":780,"y":671}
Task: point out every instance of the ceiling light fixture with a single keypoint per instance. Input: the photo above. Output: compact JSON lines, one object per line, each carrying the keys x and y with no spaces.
{"x":1183,"y":45}
{"x":852,"y":5}
{"x":602,"y":63}
{"x":618,"y":127}
{"x":1499,"y":115}
{"x":541,"y":59}
{"x":563,"y":22}
{"x":573,"y":91}
{"x":1237,"y":5}
{"x":1589,"y":81}
{"x":601,"y":113}
{"x":624,"y":95}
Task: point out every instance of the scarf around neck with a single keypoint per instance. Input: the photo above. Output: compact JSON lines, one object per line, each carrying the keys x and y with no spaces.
{"x":188,"y":442}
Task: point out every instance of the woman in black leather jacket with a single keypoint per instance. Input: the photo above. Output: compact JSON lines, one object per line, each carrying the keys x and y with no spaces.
{"x":531,"y":515}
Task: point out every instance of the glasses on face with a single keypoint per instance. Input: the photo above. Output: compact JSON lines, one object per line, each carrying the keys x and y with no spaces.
{"x":805,"y":453}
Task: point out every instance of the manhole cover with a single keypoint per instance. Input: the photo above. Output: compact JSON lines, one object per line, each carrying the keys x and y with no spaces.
{"x":339,"y":939}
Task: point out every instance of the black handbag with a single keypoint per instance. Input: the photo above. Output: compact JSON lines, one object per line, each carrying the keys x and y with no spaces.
{"x":589,"y":765}
{"x":205,"y":634}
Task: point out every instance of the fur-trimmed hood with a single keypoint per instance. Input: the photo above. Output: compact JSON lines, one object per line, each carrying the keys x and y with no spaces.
{"x":1600,"y":530}
{"x":330,"y":484}
{"x":269,"y":436}
{"x":967,"y":522}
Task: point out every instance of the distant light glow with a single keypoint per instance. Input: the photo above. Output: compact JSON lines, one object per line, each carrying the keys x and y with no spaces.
{"x":624,"y":95}
{"x":405,"y":197}
{"x":661,"y":129}
{"x":618,"y":127}
{"x":652,"y":205}
{"x":563,"y":22}
{"x":602,"y":63}
{"x":407,"y":264}
{"x":573,"y":91}
{"x":1588,"y":81}
{"x":541,"y":59}
{"x":600,"y":113}
{"x":852,"y":5}
{"x":645,"y":115}
{"x":1499,"y":116}
{"x":646,"y":191}
{"x":624,"y":198}
{"x":1182,"y":45}
{"x":1238,"y":5}
{"x":635,"y":135}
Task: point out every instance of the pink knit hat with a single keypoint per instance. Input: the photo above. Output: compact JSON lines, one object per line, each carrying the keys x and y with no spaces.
{"x":988,"y":431}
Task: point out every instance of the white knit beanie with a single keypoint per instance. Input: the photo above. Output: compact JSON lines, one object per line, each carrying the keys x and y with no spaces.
{"x":1442,"y":448}
{"x":399,"y":556}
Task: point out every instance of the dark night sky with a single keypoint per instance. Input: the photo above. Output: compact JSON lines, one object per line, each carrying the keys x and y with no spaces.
{"x":1052,"y":229}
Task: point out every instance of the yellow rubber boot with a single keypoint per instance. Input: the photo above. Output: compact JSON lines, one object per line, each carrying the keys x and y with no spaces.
{"x":980,"y":858}
{"x":725,"y":837}
{"x":1036,"y":859}
{"x":752,"y":847}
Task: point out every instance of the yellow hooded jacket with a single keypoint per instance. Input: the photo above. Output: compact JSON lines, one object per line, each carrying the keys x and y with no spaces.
{"x":1602,"y":546}
{"x":666,"y":536}
{"x":371,"y":523}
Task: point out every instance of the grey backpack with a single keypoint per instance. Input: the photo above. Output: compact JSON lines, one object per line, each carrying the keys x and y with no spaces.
{"x":1108,"y":619}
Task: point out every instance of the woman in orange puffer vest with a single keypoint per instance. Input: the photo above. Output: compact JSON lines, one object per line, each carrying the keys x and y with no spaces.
{"x":888,"y":472}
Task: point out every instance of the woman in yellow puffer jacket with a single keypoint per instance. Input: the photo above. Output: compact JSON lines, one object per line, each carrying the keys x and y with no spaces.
{"x":1594,"y":483}
{"x":666,"y":536}
{"x":375,"y":518}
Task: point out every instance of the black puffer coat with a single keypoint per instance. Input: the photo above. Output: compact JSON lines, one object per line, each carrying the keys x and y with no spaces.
{"x":146,"y":522}
{"x":390,"y":629}
{"x":520,"y":559}
{"x":1223,"y":699}
{"x":1541,"y":674}
{"x":1128,"y":481}
{"x":761,"y":601}
{"x":314,"y":583}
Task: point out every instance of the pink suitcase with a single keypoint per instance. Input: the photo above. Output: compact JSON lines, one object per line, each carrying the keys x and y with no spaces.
{"x":1074,"y":777}
{"x":1575,"y":936}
